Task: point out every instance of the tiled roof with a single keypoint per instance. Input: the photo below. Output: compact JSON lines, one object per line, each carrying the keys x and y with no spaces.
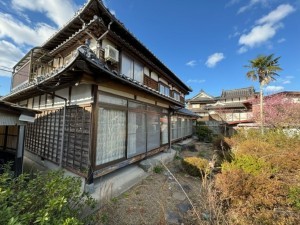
{"x":202,"y":96}
{"x":227,"y":105}
{"x":187,"y":112}
{"x":61,"y":76}
{"x":236,"y":93}
{"x":87,"y":13}
{"x":8,"y":105}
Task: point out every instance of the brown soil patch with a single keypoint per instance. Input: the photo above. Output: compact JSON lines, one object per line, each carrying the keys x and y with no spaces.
{"x":158,"y":199}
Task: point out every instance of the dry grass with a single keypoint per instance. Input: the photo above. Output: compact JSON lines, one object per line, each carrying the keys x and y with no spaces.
{"x":149,"y":201}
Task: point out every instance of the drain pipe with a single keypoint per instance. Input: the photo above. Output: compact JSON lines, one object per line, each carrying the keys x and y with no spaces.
{"x":63,"y":124}
{"x":106,"y":32}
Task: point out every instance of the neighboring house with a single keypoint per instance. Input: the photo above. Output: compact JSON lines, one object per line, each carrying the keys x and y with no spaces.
{"x":198,"y":104}
{"x":294,"y":96}
{"x":232,"y":107}
{"x":13,"y":120}
{"x":106,"y":100}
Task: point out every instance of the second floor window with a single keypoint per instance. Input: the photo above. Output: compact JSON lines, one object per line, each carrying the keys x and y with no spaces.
{"x":176,"y":96}
{"x":163,"y":89}
{"x":131,"y":68}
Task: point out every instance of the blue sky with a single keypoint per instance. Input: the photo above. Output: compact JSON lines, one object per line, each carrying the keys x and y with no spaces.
{"x":206,"y":43}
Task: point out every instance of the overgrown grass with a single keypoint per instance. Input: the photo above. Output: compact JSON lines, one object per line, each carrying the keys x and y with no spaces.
{"x":261,"y":183}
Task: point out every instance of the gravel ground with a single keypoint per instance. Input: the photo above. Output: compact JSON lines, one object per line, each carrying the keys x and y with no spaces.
{"x":159,"y":199}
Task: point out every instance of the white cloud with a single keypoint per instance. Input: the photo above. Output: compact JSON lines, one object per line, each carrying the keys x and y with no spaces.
{"x":276,"y":15}
{"x":214,"y":59}
{"x":196,"y":81}
{"x":281,"y":40}
{"x":274,"y":88}
{"x":258,"y":35}
{"x":22,"y":34}
{"x":242,"y":50}
{"x":56,"y":10}
{"x":9,"y":56}
{"x":191,"y":63}
{"x":266,"y":28}
{"x":251,"y":4}
{"x":113,"y":12}
{"x":285,"y":80}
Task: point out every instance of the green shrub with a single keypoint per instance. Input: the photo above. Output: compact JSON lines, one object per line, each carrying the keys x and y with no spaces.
{"x":204,"y":133}
{"x":48,"y":198}
{"x":158,"y":169}
{"x":249,"y":164}
{"x":222,"y":150}
{"x":294,"y":196}
{"x":195,"y":166}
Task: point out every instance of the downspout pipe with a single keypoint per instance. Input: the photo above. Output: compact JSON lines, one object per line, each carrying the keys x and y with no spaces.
{"x":106,"y":32}
{"x":63,"y":124}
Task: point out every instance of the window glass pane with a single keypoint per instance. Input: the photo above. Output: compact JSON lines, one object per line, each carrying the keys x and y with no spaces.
{"x":154,"y":109}
{"x":135,"y":105}
{"x":112,"y":100}
{"x":136,"y":134}
{"x":111,"y":139}
{"x":179,"y":128}
{"x":167,"y":91}
{"x":161,"y":88}
{"x":138,"y":72}
{"x":176,"y":96}
{"x":182,"y":127}
{"x":153,"y":131}
{"x":174,"y":127}
{"x":164,"y":129}
{"x":127,"y":66}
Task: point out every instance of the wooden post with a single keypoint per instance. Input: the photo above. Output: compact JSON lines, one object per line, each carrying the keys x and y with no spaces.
{"x":20,"y":150}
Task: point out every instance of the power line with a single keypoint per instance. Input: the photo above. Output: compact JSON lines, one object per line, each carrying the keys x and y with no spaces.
{"x":6,"y":67}
{"x":6,"y":70}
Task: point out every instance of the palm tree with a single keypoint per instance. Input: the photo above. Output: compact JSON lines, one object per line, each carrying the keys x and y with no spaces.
{"x":263,"y":68}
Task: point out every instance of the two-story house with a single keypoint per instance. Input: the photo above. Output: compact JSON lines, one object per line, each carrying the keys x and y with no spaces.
{"x":106,"y":100}
{"x":232,"y":106}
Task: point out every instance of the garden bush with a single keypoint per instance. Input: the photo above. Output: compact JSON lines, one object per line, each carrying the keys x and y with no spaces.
{"x":261,"y":183}
{"x":222,"y":150}
{"x":47,"y":198}
{"x":195,"y":166}
{"x":203,"y":132}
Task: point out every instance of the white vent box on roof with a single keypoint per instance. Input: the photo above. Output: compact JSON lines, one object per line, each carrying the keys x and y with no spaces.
{"x":111,"y":54}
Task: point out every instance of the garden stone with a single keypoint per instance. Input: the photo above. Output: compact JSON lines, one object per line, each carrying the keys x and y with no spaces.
{"x":184,"y":207}
{"x":179,"y":196}
{"x":173,"y":218}
{"x":186,"y":187}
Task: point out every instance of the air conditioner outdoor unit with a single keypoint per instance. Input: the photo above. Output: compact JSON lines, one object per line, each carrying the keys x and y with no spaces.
{"x":111,"y":54}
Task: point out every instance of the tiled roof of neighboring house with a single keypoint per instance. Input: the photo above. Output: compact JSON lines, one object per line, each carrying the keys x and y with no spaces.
{"x":230,"y":105}
{"x":236,"y":93}
{"x":202,"y":96}
{"x":187,"y":112}
{"x":287,"y":93}
{"x":199,"y":110}
{"x":11,"y":107}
